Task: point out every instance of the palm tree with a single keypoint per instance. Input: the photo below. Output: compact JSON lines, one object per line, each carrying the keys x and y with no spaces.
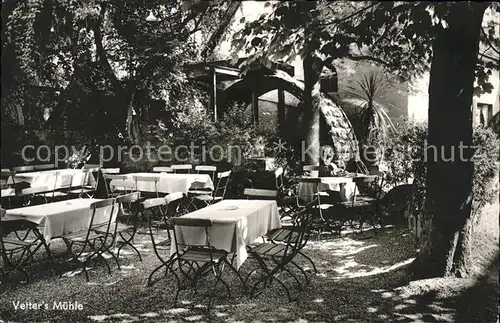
{"x":371,"y":123}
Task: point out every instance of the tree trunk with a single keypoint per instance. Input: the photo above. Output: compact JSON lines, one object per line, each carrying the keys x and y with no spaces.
{"x":311,"y":116}
{"x":132,"y":133}
{"x":446,"y":219}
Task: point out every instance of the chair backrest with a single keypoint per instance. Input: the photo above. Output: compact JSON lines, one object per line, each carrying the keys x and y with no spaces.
{"x":153,"y":202}
{"x":88,"y":171}
{"x":162,"y":169}
{"x":113,"y":176}
{"x":253,"y":193}
{"x":222,"y":183}
{"x":45,"y":167}
{"x":206,"y":169}
{"x":375,"y":181}
{"x":126,"y":201}
{"x":297,"y":236}
{"x":192,"y":223}
{"x":128,"y":198}
{"x":34,"y":190}
{"x":313,"y":200}
{"x":302,"y":221}
{"x":121,"y":182}
{"x":183,"y":168}
{"x":6,"y":192}
{"x":54,"y":176}
{"x":173,"y":201}
{"x":6,"y":174}
{"x":110,"y":170}
{"x":22,"y":169}
{"x":149,"y":179}
{"x":65,"y":180}
{"x":103,"y":220}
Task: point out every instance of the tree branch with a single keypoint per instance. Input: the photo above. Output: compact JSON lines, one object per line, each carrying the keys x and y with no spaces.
{"x":489,"y":41}
{"x":337,"y":21}
{"x":367,"y":58}
{"x":101,"y":52}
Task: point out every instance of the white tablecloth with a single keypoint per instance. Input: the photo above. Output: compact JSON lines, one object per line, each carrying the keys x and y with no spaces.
{"x":235,"y":225}
{"x":47,"y":178}
{"x":168,"y":183}
{"x":62,"y":217}
{"x":343,"y":184}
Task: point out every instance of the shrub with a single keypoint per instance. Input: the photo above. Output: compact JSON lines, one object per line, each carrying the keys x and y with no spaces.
{"x":405,"y":163}
{"x":215,"y":142}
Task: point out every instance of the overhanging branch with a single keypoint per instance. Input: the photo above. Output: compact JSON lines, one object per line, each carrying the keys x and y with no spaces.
{"x":496,"y":50}
{"x":367,"y":58}
{"x":337,"y":21}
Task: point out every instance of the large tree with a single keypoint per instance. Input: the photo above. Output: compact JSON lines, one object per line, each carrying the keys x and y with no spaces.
{"x":449,"y":171}
{"x":405,"y":38}
{"x":107,"y":46}
{"x":321,"y":32}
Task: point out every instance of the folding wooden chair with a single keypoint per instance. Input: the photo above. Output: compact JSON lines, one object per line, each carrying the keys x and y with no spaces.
{"x":206,"y":169}
{"x":118,"y":185}
{"x":280,"y":256}
{"x":157,"y":221}
{"x":219,"y":192}
{"x":281,"y":235}
{"x":85,"y":190}
{"x":8,"y":190}
{"x":364,"y":206}
{"x":23,"y":169}
{"x":62,"y":187}
{"x":33,"y":193}
{"x":326,"y":215}
{"x":15,"y":253}
{"x":88,"y":238}
{"x":183,"y":168}
{"x":199,"y":259}
{"x":147,"y":179}
{"x":6,"y":195}
{"x":125,"y":232}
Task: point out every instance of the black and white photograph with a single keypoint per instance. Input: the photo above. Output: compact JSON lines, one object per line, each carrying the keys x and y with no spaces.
{"x":250,"y":161}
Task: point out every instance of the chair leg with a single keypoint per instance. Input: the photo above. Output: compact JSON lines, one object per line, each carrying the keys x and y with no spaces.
{"x":236,"y":271}
{"x":98,"y":254}
{"x":277,"y":262}
{"x":217,"y":279}
{"x":127,"y":242}
{"x":150,"y":278}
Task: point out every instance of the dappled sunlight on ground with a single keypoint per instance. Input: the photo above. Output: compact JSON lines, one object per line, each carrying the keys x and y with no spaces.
{"x":358,"y":280}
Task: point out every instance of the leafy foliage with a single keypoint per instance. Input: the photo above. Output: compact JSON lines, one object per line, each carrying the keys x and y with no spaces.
{"x":370,"y":121}
{"x":395,"y":35}
{"x":406,"y":162}
{"x":96,"y":50}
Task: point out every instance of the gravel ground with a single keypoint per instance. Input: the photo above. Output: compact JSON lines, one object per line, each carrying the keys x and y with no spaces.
{"x":362,"y":278}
